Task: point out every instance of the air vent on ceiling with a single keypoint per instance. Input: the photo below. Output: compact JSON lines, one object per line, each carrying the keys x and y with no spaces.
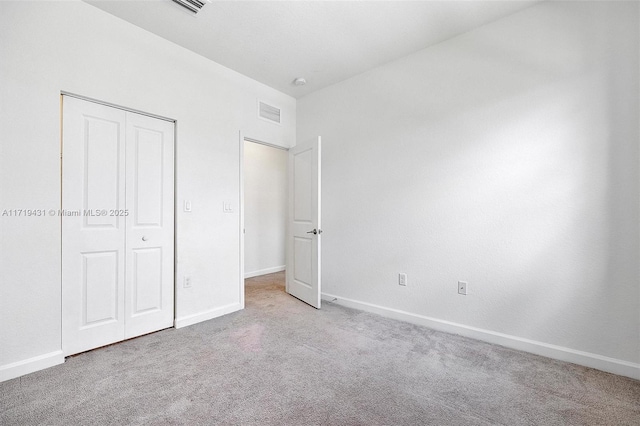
{"x":192,"y":6}
{"x":269,"y":112}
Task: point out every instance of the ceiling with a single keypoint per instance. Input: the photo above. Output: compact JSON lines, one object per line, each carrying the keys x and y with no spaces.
{"x":325,"y":42}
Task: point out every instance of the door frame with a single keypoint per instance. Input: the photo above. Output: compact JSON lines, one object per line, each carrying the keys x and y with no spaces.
{"x":241,"y":233}
{"x":175,"y":188}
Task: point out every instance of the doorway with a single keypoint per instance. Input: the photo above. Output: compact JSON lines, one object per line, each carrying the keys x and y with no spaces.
{"x":303,"y":220}
{"x":264,"y":211}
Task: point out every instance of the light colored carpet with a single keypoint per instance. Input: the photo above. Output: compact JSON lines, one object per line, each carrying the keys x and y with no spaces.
{"x":281,"y":362}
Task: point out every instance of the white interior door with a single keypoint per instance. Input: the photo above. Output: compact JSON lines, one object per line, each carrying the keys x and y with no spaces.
{"x":304,"y":224}
{"x":117,"y":187}
{"x":149,"y":288}
{"x":93,"y":180}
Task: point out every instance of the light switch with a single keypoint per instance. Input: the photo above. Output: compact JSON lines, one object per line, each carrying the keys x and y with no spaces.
{"x":187,"y":205}
{"x":227,"y":207}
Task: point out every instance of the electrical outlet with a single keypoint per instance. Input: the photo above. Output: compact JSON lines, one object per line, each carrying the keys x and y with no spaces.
{"x":462,"y":287}
{"x":187,"y":282}
{"x":402,"y":279}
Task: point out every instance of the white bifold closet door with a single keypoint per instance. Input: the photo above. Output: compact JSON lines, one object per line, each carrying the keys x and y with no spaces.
{"x":117,"y":225}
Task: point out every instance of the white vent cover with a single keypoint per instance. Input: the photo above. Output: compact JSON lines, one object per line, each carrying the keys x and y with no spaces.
{"x":192,"y":6}
{"x":269,"y":112}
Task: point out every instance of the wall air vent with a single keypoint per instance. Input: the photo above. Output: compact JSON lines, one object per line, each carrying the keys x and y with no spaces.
{"x":269,"y":112}
{"x":193,"y":6}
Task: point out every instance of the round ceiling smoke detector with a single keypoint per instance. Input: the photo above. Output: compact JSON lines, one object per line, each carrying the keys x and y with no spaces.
{"x":299,"y":81}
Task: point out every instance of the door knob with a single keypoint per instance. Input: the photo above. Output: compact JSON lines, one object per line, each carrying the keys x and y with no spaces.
{"x":315,"y":232}
{"x":144,"y":238}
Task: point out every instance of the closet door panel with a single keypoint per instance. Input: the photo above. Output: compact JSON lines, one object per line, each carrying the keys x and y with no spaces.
{"x":150,"y":228}
{"x":93,"y":241}
{"x":117,"y":225}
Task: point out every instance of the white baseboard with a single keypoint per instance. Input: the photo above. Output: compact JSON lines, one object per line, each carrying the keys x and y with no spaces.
{"x":599,"y":362}
{"x":207,"y":315}
{"x":264,"y":271}
{"x":31,"y":365}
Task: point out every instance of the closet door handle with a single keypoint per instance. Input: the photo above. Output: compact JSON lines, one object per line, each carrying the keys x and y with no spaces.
{"x":144,"y":238}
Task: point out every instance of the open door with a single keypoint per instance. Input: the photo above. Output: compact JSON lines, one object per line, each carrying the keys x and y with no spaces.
{"x":304,"y":233}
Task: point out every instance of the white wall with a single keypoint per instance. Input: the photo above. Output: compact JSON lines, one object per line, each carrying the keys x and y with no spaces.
{"x":265,"y":209}
{"x":506,"y":157}
{"x":48,"y":47}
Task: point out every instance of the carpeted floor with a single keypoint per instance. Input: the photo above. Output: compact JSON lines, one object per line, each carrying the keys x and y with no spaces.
{"x":281,"y":362}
